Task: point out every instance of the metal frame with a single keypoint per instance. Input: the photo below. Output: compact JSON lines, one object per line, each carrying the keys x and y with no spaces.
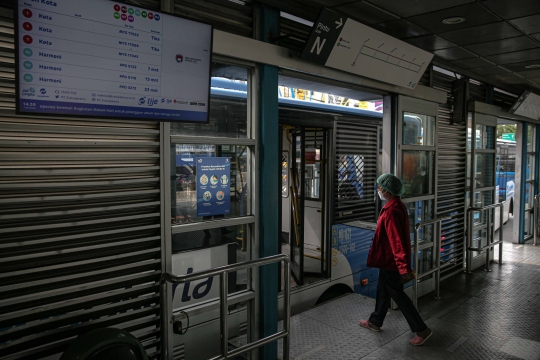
{"x":490,"y":233}
{"x":532,"y":180}
{"x":222,"y":271}
{"x":536,"y":218}
{"x":436,"y":244}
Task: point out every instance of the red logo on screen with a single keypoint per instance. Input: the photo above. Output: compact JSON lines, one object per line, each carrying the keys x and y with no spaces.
{"x":124,"y":17}
{"x":27,"y":39}
{"x":124,"y":9}
{"x":116,"y":7}
{"x":27,"y":26}
{"x":150,"y":16}
{"x":27,"y":13}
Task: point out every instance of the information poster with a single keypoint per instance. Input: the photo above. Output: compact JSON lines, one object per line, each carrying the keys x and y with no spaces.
{"x":108,"y":59}
{"x":213,"y":188}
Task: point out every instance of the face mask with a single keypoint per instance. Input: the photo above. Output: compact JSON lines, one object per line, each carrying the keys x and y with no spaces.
{"x":381,"y":195}
{"x":422,"y":173}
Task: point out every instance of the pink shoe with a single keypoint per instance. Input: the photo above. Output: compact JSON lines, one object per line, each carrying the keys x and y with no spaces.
{"x":370,"y":326}
{"x":421,"y":337}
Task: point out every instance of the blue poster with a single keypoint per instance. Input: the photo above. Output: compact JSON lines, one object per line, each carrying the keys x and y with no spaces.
{"x":213,"y":194}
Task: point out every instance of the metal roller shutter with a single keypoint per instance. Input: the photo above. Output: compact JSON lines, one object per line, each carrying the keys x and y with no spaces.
{"x":80,"y":235}
{"x":357,"y":150}
{"x":451,"y":177}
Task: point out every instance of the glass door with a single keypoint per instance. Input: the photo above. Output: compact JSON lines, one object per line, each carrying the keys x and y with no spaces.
{"x":482,"y":132}
{"x":416,"y":167}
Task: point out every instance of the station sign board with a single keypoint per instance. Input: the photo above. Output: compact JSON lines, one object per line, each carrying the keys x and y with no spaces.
{"x":345,"y":44}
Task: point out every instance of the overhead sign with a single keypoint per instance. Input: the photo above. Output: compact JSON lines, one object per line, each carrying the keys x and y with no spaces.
{"x":108,"y":59}
{"x":527,"y":105}
{"x":213,"y":188}
{"x":342,"y":43}
{"x":509,"y":137}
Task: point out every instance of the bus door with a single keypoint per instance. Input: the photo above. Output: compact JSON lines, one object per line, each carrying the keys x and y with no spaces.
{"x":303,"y":173}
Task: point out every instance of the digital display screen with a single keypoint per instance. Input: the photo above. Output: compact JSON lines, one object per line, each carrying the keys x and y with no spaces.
{"x":108,"y":59}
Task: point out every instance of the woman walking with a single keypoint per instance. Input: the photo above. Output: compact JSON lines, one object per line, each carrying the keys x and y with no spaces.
{"x":391,"y":253}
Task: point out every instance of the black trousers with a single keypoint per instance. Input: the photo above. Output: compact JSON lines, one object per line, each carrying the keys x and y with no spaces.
{"x":390,"y":287}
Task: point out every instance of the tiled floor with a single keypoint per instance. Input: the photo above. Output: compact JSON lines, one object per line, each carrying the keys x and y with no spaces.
{"x":482,"y":315}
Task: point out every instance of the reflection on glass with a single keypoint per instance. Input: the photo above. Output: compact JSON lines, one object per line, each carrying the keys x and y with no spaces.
{"x":351,"y":177}
{"x":484,"y":170}
{"x":228,"y":106}
{"x":418,"y":129}
{"x":481,"y":199}
{"x":285,"y":174}
{"x":530,"y":167}
{"x":485,"y":137}
{"x":218,"y":253}
{"x":479,"y":240}
{"x":313,"y":173}
{"x":184,"y":181}
{"x":530,"y":138}
{"x":420,"y":211}
{"x":417,"y":172}
{"x":528,"y":226}
{"x":529,"y":198}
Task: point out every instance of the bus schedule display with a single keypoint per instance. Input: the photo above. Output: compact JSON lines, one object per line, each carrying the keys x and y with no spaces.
{"x":108,"y":59}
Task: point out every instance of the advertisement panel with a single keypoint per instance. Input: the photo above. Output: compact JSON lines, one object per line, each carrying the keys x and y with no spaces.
{"x":213,"y":188}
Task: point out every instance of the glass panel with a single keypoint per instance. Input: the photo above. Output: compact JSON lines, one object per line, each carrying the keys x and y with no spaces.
{"x":184,"y":181}
{"x":420,"y":211}
{"x":425,"y":260}
{"x":418,"y":129}
{"x":469,"y":131}
{"x":417,"y":172}
{"x":530,"y":138}
{"x":485,"y":137}
{"x":313,"y":173}
{"x":481,"y":199}
{"x":228,"y":106}
{"x":479,"y":240}
{"x":222,"y":250}
{"x":350,"y":177}
{"x":529,"y":174}
{"x":528,"y":226}
{"x":484,"y":170}
{"x":529,"y":197}
{"x":285,"y":174}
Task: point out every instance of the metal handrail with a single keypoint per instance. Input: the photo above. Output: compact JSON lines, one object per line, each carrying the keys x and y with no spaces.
{"x":222,"y":271}
{"x":536,"y":214}
{"x":490,"y":233}
{"x":437,"y":247}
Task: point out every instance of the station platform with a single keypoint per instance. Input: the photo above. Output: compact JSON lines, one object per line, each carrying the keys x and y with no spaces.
{"x":483,"y":315}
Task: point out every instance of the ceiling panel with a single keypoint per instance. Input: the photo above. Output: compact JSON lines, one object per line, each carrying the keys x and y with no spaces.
{"x":536,"y":36}
{"x":430,"y":42}
{"x":483,"y":33}
{"x":490,"y":70}
{"x":474,"y":15}
{"x":406,"y":8}
{"x":529,"y":24}
{"x":456,"y":53}
{"x":472,"y":63}
{"x":365,"y":13}
{"x":513,"y":9}
{"x":523,"y":66}
{"x":514,"y":57}
{"x":401,"y":29}
{"x":509,"y":78}
{"x":502,"y":46}
{"x":530,"y":74}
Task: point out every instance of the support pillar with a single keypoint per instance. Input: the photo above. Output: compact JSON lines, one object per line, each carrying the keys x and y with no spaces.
{"x":268,"y":181}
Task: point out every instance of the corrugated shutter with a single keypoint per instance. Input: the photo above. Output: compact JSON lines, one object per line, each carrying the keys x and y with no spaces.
{"x":451,"y":173}
{"x":80,"y":236}
{"x":503,"y":99}
{"x":357,"y":150}
{"x":231,"y":16}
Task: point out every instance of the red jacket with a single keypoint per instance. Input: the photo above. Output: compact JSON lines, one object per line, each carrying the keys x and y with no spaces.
{"x":391,"y":248}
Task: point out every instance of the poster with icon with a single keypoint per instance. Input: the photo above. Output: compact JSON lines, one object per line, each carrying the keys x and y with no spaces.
{"x":213,"y":193}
